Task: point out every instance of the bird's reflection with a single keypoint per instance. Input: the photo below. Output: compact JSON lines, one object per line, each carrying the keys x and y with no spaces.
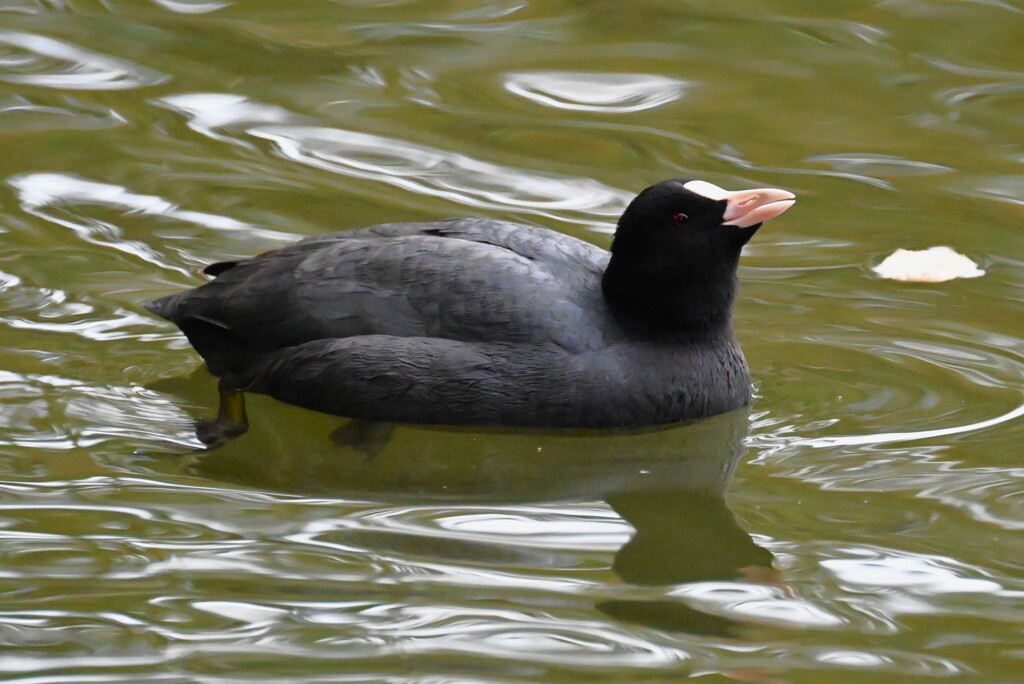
{"x":668,"y":484}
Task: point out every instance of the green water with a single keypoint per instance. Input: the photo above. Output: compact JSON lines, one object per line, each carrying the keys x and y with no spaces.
{"x":861,"y":523}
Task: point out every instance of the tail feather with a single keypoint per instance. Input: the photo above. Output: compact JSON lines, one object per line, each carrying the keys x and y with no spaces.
{"x":165,"y":306}
{"x":226,"y":354}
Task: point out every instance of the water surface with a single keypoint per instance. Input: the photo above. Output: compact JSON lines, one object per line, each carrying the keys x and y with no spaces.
{"x":861,"y":523}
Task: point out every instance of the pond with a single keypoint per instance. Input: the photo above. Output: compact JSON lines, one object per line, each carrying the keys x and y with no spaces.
{"x":861,"y":522}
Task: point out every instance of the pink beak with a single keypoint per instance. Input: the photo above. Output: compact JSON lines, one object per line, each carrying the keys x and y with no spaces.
{"x":748,"y":208}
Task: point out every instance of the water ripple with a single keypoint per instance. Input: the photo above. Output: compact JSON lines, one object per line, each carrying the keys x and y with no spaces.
{"x":81,"y":415}
{"x":1008,"y":188}
{"x":889,"y":381}
{"x":193,"y":6}
{"x":920,"y":575}
{"x":18,"y":114}
{"x":863,"y":164}
{"x":510,"y":634}
{"x":595,"y":92}
{"x":413,"y":167}
{"x":207,"y":112}
{"x":885,"y":413}
{"x":40,"y":190}
{"x":958,"y":96}
{"x":759,"y":603}
{"x":40,"y":61}
{"x":454,"y":177}
{"x":566,"y":528}
{"x":51,"y":196}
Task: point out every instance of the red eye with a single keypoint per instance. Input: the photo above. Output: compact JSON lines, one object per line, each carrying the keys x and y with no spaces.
{"x":680,"y":219}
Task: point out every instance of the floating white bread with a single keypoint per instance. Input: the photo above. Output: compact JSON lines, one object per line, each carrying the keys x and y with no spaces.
{"x":932,"y":265}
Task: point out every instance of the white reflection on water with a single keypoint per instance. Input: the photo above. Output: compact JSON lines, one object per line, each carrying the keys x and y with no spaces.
{"x":878,"y":164}
{"x":959,"y":96}
{"x":919,"y":575}
{"x":49,"y":196}
{"x":756,"y":602}
{"x":209,"y":111}
{"x":1009,"y":189}
{"x":508,"y":633}
{"x":16,"y":664}
{"x":414,"y":167}
{"x":60,"y":413}
{"x":595,"y":92}
{"x":118,"y":324}
{"x":192,"y":6}
{"x":19,"y":114}
{"x":448,"y":175}
{"x":964,"y":356}
{"x":40,"y":61}
{"x":732,"y":155}
{"x":891,"y":437}
{"x":566,"y":527}
{"x":852,"y":658}
{"x":238,"y":611}
{"x":37,"y":190}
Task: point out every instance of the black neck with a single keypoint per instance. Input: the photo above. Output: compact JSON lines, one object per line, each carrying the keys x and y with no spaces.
{"x":656,"y":294}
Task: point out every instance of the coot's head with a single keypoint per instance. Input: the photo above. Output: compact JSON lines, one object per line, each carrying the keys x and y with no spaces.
{"x":676,"y":249}
{"x":699,"y":214}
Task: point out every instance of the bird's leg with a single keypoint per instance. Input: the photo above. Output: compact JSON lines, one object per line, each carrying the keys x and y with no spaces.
{"x":230,"y":422}
{"x":365,"y":436}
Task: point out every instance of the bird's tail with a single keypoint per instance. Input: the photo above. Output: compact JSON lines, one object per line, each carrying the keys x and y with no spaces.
{"x":226,"y":354}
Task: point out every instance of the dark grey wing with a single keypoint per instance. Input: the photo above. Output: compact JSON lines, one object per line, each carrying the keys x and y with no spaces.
{"x":430,"y":380}
{"x":462,"y":280}
{"x":409,"y":379}
{"x":554,"y":249}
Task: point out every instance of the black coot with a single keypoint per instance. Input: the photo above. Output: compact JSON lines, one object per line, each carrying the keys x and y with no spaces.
{"x":482,"y":322}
